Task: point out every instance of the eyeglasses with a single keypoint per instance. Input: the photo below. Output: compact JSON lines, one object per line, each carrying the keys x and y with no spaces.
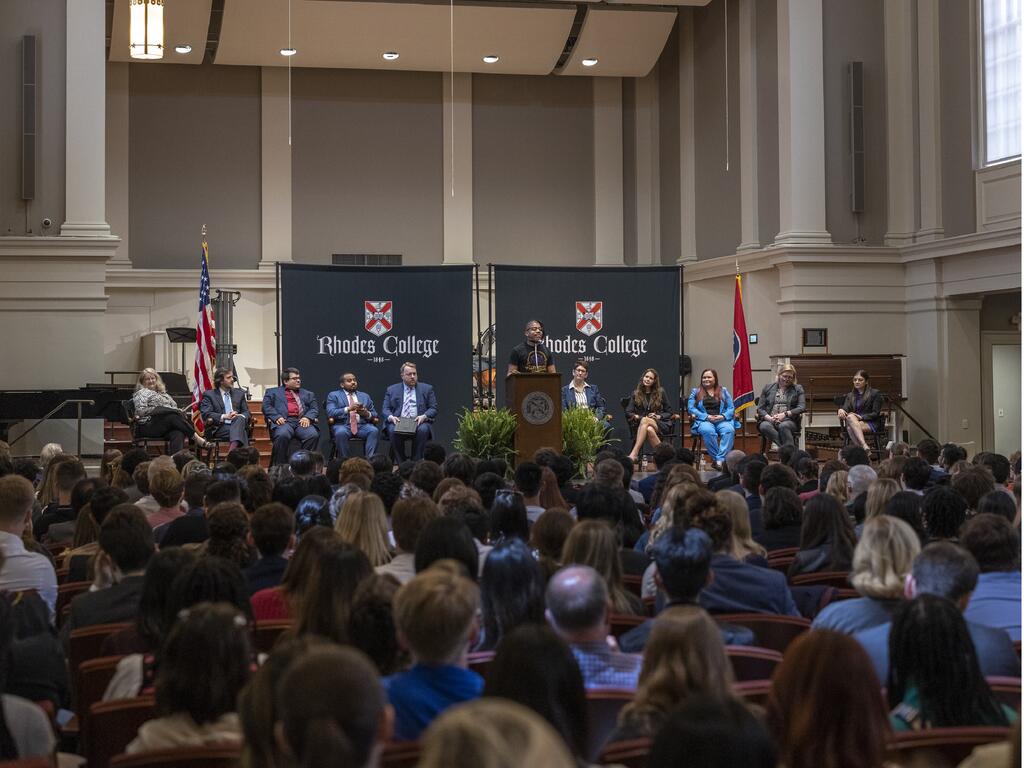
{"x":507,"y":492}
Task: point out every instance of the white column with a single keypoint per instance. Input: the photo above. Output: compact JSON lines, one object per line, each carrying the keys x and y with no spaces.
{"x":687,"y":178}
{"x":117,"y":190}
{"x":929,"y":121}
{"x":648,"y":188}
{"x":85,"y":117}
{"x":458,"y":168}
{"x":276,"y":168}
{"x":608,"y":237}
{"x":801,"y":124}
{"x":900,"y":134}
{"x":749,"y":237}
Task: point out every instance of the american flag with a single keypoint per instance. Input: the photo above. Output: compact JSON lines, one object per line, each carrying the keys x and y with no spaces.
{"x":206,"y":342}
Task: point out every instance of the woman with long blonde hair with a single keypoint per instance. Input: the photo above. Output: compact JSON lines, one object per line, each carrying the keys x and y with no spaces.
{"x":594,"y":543}
{"x":879,"y":493}
{"x":743,"y":545}
{"x":838,"y":487}
{"x":363,"y":523}
{"x":684,"y":657}
{"x":158,"y":416}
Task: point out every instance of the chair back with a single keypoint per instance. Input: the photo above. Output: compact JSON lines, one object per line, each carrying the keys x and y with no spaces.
{"x":603,"y":707}
{"x":91,"y":681}
{"x":226,"y":756}
{"x":632,"y":754}
{"x":839,"y":579}
{"x":938,"y":747}
{"x":85,"y":643}
{"x":775,"y":554}
{"x":266,"y":633}
{"x":110,"y":726}
{"x":752,"y":663}
{"x":771,"y":631}
{"x":754,"y":691}
{"x":400,"y":754}
{"x":29,"y":762}
{"x":1006,"y":690}
{"x":621,"y":623}
{"x":67,"y":592}
{"x":633,"y":583}
{"x":480,"y":662}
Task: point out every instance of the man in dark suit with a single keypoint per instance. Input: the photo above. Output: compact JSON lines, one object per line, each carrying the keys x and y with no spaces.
{"x":353,"y":415}
{"x":291,"y":412}
{"x":409,"y":399}
{"x":224,"y":410}
{"x":683,"y":559}
{"x":949,"y":571}
{"x":125,"y":546}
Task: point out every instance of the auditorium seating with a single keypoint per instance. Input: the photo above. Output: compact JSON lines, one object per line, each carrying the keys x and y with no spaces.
{"x":750,"y":663}
{"x":603,"y":707}
{"x":91,"y":680}
{"x":633,"y":582}
{"x":839,"y":579}
{"x":632,"y":754}
{"x":938,"y":747}
{"x":773,"y":632}
{"x":66,"y":593}
{"x":1006,"y":691}
{"x":621,"y":623}
{"x":110,"y":726}
{"x":29,"y":762}
{"x":480,"y":662}
{"x":754,"y":691}
{"x":400,"y":754}
{"x":199,"y":757}
{"x":85,"y":643}
{"x":267,"y":632}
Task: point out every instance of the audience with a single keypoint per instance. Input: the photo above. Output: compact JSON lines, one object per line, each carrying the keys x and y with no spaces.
{"x":364,"y":524}
{"x":511,"y":592}
{"x":327,"y":601}
{"x":782,"y":513}
{"x":436,"y":618}
{"x":995,"y":546}
{"x":408,"y":519}
{"x":593,"y":543}
{"x":577,"y":609}
{"x":25,"y":730}
{"x":906,"y":505}
{"x":881,"y":561}
{"x":280,"y":602}
{"x":547,"y":538}
{"x":712,"y":732}
{"x":447,"y":538}
{"x":935,"y":680}
{"x":22,"y":569}
{"x":743,"y":545}
{"x":371,"y":623}
{"x":826,"y":538}
{"x":509,"y":516}
{"x":272,"y":532}
{"x":943,"y":513}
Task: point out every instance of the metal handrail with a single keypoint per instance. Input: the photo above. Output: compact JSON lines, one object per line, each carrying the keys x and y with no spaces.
{"x":78,"y":403}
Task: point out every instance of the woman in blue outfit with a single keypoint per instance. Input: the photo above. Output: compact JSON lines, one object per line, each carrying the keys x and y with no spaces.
{"x":711,"y":406}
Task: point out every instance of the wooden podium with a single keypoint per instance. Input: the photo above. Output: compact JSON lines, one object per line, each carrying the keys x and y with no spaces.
{"x":536,"y":400}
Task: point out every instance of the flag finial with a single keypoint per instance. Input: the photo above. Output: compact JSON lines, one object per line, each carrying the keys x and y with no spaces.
{"x":737,"y":264}
{"x":204,"y":235}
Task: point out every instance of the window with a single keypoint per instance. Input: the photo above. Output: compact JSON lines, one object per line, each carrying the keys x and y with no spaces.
{"x":1001,"y":59}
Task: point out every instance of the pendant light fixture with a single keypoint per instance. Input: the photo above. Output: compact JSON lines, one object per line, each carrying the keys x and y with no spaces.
{"x":146,"y":33}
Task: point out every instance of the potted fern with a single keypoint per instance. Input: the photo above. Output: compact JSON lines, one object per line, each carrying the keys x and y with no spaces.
{"x":486,"y":434}
{"x":582,"y":437}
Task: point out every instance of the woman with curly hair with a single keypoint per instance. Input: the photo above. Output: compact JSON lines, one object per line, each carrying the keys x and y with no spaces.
{"x":229,"y":527}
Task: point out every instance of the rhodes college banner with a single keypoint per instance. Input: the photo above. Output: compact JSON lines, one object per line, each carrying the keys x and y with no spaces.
{"x":620,"y":320}
{"x":370,"y":320}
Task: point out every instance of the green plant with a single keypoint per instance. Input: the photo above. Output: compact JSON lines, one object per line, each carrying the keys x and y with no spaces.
{"x":582,"y":437}
{"x":486,"y":434}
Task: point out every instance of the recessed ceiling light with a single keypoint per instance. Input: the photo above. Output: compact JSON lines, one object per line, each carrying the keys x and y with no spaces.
{"x":490,"y":59}
{"x":183,"y":49}
{"x":589,"y":62}
{"x":389,"y":55}
{"x":288,"y":51}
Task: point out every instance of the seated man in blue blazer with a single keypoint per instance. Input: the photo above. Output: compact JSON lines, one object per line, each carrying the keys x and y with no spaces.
{"x":224,"y":410}
{"x":291,"y":412}
{"x":353,"y":415}
{"x":413,"y":399}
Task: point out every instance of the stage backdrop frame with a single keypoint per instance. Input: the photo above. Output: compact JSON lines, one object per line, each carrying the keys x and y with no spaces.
{"x":370,"y":320}
{"x":621,"y":320}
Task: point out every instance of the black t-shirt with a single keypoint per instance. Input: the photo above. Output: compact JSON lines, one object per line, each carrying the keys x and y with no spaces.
{"x":528,"y":358}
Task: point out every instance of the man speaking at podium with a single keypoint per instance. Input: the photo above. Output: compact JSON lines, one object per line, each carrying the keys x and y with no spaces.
{"x":531,"y":356}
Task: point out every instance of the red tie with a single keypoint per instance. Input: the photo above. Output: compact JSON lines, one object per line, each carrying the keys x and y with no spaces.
{"x":353,"y":418}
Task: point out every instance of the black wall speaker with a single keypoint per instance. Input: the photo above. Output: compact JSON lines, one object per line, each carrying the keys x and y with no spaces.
{"x":28,"y":117}
{"x":855,"y":71}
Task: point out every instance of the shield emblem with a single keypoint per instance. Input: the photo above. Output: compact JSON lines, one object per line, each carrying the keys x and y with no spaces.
{"x":589,"y":317}
{"x":379,"y":317}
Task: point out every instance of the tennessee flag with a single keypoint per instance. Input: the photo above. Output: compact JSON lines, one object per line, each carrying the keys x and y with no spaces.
{"x":742,"y":380}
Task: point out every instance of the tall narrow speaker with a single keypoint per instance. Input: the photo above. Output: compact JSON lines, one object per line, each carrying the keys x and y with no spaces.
{"x":855,"y":71}
{"x":28,"y":117}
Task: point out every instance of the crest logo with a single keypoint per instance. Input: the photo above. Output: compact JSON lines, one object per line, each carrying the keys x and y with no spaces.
{"x":589,"y":317}
{"x":378,"y":317}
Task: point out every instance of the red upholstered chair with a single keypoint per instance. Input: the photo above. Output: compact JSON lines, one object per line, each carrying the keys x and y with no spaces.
{"x":181,"y":757}
{"x":66,"y":593}
{"x":752,"y":663}
{"x":1006,"y":691}
{"x":839,"y":579}
{"x":939,"y":747}
{"x":29,"y":762}
{"x":771,"y":631}
{"x":265,"y":633}
{"x":603,"y":707}
{"x":774,"y":554}
{"x":91,"y":681}
{"x":85,"y":643}
{"x":621,"y":623}
{"x":632,"y":754}
{"x":754,"y":691}
{"x":633,"y":583}
{"x":400,"y":754}
{"x":110,"y":726}
{"x":480,"y":662}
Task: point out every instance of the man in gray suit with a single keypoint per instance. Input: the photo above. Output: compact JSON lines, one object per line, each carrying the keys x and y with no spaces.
{"x":125,"y":546}
{"x":224,"y":410}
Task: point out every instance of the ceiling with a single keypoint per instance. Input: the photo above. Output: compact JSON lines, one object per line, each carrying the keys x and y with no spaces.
{"x":534,"y":38}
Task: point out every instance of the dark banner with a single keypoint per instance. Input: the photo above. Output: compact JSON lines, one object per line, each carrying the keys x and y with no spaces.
{"x":620,"y":320}
{"x":371,"y":320}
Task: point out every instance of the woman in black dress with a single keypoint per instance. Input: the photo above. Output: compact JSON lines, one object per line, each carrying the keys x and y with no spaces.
{"x":862,"y":410}
{"x":157,"y":413}
{"x":648,"y":411}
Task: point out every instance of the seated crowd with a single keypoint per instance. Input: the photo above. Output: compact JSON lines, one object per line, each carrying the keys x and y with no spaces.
{"x":325,"y":613}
